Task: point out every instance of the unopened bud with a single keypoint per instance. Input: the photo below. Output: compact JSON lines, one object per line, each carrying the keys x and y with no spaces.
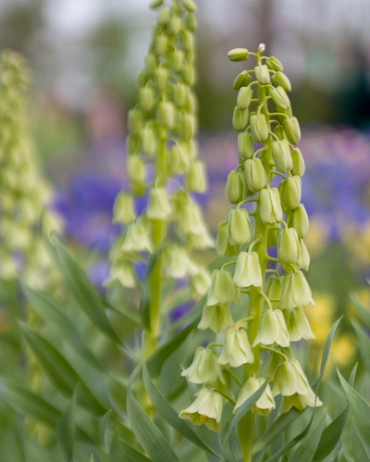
{"x":191,"y":22}
{"x":288,"y":246}
{"x":245,"y":95}
{"x":188,"y":126}
{"x":179,"y":161}
{"x":272,"y":329}
{"x":163,"y":16}
{"x":134,"y":121}
{"x":179,"y":95}
{"x":223,"y":247}
{"x":298,"y":219}
{"x":248,"y":270}
{"x":141,"y":79}
{"x":304,"y":256}
{"x":290,"y":191}
{"x":242,"y":80}
{"x":298,"y":162}
{"x":273,"y":290}
{"x":245,"y":146}
{"x":281,"y":80}
{"x":177,"y":59}
{"x":259,"y":127}
{"x":235,"y":189}
{"x":240,"y":119}
{"x":161,"y":75}
{"x":279,"y":132}
{"x":132,"y":144}
{"x":292,"y":129}
{"x":270,"y":206}
{"x":295,"y":291}
{"x":190,"y":5}
{"x":150,"y":63}
{"x":196,"y":179}
{"x":240,"y":228}
{"x":123,"y":209}
{"x":216,"y":317}
{"x":188,"y":40}
{"x":166,"y":114}
{"x":175,"y":25}
{"x":238,"y":54}
{"x":262,"y":74}
{"x":236,"y":350}
{"x":222,"y":288}
{"x":149,"y":144}
{"x":161,"y":43}
{"x":155,"y":4}
{"x":135,"y":169}
{"x":188,"y":74}
{"x":255,"y":174}
{"x":158,"y":204}
{"x":280,"y":98}
{"x":190,"y":102}
{"x":146,"y":97}
{"x":274,"y":64}
{"x":272,"y":232}
{"x":281,"y":155}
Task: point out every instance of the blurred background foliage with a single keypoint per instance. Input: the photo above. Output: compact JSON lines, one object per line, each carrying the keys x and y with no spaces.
{"x":84,"y":55}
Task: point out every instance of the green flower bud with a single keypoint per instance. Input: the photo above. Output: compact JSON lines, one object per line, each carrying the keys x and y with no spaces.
{"x":178,"y":160}
{"x":191,"y":22}
{"x":190,"y":102}
{"x":279,"y":132}
{"x":274,"y":64}
{"x":281,"y":155}
{"x":204,"y":368}
{"x":298,"y":219}
{"x":150,"y":63}
{"x":200,"y":283}
{"x":242,"y":80}
{"x":135,"y":169}
{"x":292,"y":129}
{"x":163,"y":16}
{"x":216,"y":317}
{"x":235,"y":188}
{"x":255,"y":174}
{"x":240,"y":228}
{"x":273,"y":290}
{"x":189,"y":5}
{"x":259,"y":127}
{"x":188,"y":126}
{"x":134,"y":121}
{"x":188,"y":40}
{"x":245,"y":146}
{"x":262,"y":74}
{"x":176,"y":262}
{"x":175,"y":25}
{"x":141,"y":79}
{"x":240,"y":119}
{"x":146,"y":97}
{"x":206,"y":409}
{"x":304,"y":256}
{"x":166,"y":114}
{"x":161,"y":77}
{"x":248,"y":270}
{"x":223,"y":247}
{"x":196,"y":179}
{"x":272,"y":329}
{"x":245,"y":95}
{"x":238,"y":54}
{"x":270,"y":206}
{"x":121,"y":272}
{"x":123,"y":209}
{"x":264,"y":405}
{"x":298,"y":163}
{"x":155,"y":4}
{"x":177,"y":60}
{"x":132,"y":144}
{"x":290,"y":379}
{"x":149,"y":143}
{"x":222,"y":288}
{"x":158,"y":205}
{"x":161,"y":44}
{"x":179,"y":95}
{"x":288,"y":246}
{"x":272,"y":232}
{"x":281,"y":80}
{"x":137,"y":238}
{"x":236,"y":350}
{"x":298,"y":325}
{"x":290,"y":192}
{"x":300,"y":401}
{"x":280,"y":98}
{"x":188,"y":74}
{"x":295,"y":291}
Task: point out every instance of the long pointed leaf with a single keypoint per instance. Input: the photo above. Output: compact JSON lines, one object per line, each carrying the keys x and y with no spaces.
{"x":359,"y":452}
{"x":65,"y":428}
{"x":308,"y":446}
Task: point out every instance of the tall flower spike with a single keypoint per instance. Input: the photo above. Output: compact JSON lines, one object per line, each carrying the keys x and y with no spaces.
{"x":263,"y":217}
{"x":162,"y":127}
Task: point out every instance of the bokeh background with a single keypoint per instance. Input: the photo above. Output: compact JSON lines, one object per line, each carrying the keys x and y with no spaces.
{"x":84,"y":55}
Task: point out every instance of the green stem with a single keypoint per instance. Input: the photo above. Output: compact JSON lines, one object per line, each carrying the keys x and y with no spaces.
{"x":263,"y":347}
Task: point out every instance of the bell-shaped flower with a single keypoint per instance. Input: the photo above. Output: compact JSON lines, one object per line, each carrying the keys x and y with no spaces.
{"x":204,"y":368}
{"x":272,"y":329}
{"x":288,"y":246}
{"x":265,"y":402}
{"x":123,"y":209}
{"x":137,"y":237}
{"x":245,"y":146}
{"x":304,"y":256}
{"x":216,"y":317}
{"x":270,"y":206}
{"x":235,"y":189}
{"x":222,"y":288}
{"x":255,"y":174}
{"x":206,"y":409}
{"x":290,"y":379}
{"x":200,"y":282}
{"x":196,"y":179}
{"x":295,"y":291}
{"x":298,"y":219}
{"x":176,"y":262}
{"x":248,"y":270}
{"x":300,"y":401}
{"x":123,"y":272}
{"x":178,"y":159}
{"x":273,"y":290}
{"x":135,"y":169}
{"x":158,"y":206}
{"x":290,"y":192}
{"x":200,"y":240}
{"x":223,"y":246}
{"x":292,"y":129}
{"x":281,"y":155}
{"x":299,"y":166}
{"x":236,"y":350}
{"x":259,"y":127}
{"x":298,"y":325}
{"x":240,"y":228}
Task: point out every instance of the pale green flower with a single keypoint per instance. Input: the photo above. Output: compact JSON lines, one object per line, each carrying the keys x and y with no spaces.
{"x":290,"y":379}
{"x":248,"y":270}
{"x":137,"y":238}
{"x":159,"y":207}
{"x":298,"y":325}
{"x":272,"y":329}
{"x":295,"y":291}
{"x":216,"y":317}
{"x":206,"y":409}
{"x":204,"y":368}
{"x":264,"y":405}
{"x":236,"y":350}
{"x":222,"y":288}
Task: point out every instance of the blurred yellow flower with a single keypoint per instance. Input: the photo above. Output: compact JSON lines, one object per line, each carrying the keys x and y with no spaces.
{"x":321,"y":315}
